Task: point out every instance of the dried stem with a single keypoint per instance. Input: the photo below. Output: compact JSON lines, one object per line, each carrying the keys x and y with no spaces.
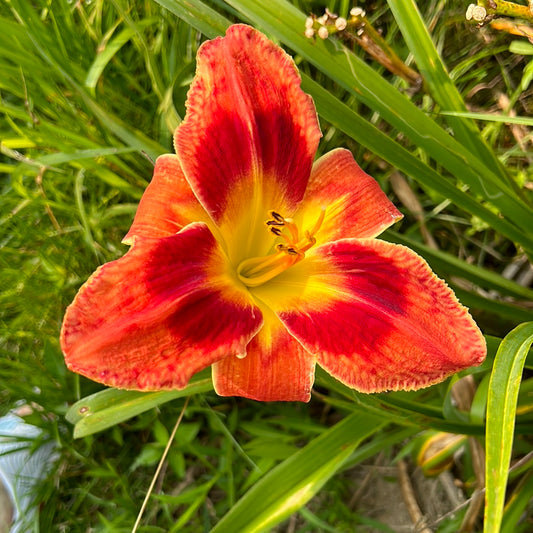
{"x":159,"y":467}
{"x":410,"y":499}
{"x":487,"y":10}
{"x":502,"y":8}
{"x":360,"y":30}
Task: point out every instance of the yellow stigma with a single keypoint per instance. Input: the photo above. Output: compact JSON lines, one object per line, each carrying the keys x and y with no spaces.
{"x":258,"y":270}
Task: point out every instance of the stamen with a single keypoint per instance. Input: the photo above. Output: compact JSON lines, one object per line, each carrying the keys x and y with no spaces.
{"x":293,"y":228}
{"x":277,"y":217}
{"x":288,"y":249}
{"x":310,"y":243}
{"x":258,"y":270}
{"x":316,"y":227}
{"x":280,"y":221}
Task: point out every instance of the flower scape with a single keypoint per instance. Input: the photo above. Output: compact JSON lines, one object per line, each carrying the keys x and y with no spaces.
{"x":247,"y":256}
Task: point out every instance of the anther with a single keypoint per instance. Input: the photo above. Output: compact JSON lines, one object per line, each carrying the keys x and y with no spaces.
{"x":290,"y":250}
{"x":277,"y":217}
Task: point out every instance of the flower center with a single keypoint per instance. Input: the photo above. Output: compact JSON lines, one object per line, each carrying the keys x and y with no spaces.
{"x":258,"y":270}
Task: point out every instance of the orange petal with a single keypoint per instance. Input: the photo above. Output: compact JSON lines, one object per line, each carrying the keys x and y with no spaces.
{"x":354,"y":202}
{"x":375,"y":315}
{"x":167,"y":205}
{"x":161,"y":313}
{"x":276,"y":368}
{"x":250,"y":133}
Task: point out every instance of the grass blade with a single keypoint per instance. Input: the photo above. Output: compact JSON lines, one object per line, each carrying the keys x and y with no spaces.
{"x":439,"y":83}
{"x":501,"y":411}
{"x":205,"y":19}
{"x":106,"y":55}
{"x":292,"y":483}
{"x":492,"y":117}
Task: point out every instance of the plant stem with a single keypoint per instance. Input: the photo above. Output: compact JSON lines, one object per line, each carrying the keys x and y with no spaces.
{"x":502,"y":8}
{"x":360,"y":30}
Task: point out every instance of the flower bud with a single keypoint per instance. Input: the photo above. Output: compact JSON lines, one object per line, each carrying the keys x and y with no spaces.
{"x":341,"y":23}
{"x":323,"y":32}
{"x":437,"y":451}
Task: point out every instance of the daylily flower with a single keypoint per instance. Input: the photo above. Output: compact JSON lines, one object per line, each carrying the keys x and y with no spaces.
{"x":248,"y":257}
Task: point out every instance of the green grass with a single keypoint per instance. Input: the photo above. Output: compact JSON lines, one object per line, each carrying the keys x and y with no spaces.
{"x":90,"y":94}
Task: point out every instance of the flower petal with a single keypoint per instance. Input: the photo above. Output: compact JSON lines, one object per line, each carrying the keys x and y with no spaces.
{"x":375,"y":315}
{"x":250,"y":133}
{"x":168,"y":203}
{"x":164,"y":311}
{"x":276,"y":368}
{"x":354,"y":202}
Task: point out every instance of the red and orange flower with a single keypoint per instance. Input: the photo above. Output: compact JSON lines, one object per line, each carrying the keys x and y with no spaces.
{"x":247,"y":256}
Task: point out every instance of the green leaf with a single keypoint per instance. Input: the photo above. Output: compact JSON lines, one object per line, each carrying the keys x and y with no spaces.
{"x":59,"y":158}
{"x":112,"y":406}
{"x":518,"y":503}
{"x":501,"y":412}
{"x":199,"y":15}
{"x":491,"y":117}
{"x":521,"y":47}
{"x":405,"y":409}
{"x":439,"y":82}
{"x":291,"y":484}
{"x":106,"y":54}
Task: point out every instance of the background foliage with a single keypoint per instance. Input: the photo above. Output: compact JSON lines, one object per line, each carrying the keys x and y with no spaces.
{"x":90,"y":93}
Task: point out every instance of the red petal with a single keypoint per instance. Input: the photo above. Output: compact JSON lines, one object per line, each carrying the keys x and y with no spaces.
{"x":354,"y":202}
{"x":276,"y":368}
{"x":376,"y":316}
{"x":250,"y":132}
{"x":167,"y":205}
{"x":164,"y":311}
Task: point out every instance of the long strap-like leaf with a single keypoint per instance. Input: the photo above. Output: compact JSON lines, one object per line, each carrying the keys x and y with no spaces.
{"x":501,"y":411}
{"x":292,"y":483}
